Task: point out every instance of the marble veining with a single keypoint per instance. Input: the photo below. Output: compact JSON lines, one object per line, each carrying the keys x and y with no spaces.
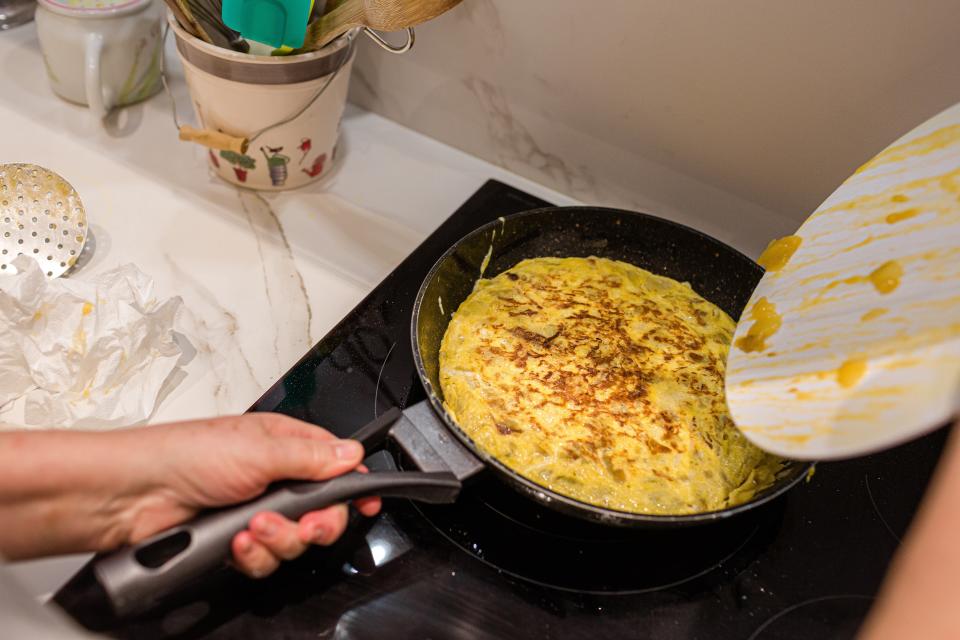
{"x":517,"y":149}
{"x":282,"y":282}
{"x":213,"y":331}
{"x":484,"y":16}
{"x":701,"y":108}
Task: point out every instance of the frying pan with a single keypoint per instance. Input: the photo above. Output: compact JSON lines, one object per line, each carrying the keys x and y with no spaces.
{"x":136,"y":577}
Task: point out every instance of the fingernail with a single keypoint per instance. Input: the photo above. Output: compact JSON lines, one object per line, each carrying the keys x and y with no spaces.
{"x":265,"y":527}
{"x":348,"y":450}
{"x":319,"y":533}
{"x":246,"y":544}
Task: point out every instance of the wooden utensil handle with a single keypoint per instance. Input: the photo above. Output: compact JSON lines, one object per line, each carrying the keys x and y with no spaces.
{"x":214,"y":139}
{"x":345,"y":15}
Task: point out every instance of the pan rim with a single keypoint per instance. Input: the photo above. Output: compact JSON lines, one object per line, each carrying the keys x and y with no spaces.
{"x":543,"y":494}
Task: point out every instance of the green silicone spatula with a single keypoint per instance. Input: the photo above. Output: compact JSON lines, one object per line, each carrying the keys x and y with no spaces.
{"x":278,"y":23}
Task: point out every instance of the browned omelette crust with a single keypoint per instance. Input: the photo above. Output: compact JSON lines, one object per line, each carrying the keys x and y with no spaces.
{"x":603,"y":382}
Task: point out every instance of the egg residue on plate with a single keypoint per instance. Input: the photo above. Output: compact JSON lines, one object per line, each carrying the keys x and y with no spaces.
{"x":602,"y":382}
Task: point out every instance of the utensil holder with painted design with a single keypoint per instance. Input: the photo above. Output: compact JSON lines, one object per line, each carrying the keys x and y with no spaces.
{"x":260,"y":98}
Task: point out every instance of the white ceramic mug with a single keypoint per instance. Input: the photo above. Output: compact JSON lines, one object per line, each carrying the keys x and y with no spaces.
{"x":102,"y":53}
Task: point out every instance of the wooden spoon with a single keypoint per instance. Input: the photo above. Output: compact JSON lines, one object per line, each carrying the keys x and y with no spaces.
{"x":186,"y":20}
{"x":382,"y":15}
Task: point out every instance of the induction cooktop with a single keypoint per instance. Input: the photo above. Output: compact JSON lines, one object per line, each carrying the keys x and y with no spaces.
{"x":496,"y":565}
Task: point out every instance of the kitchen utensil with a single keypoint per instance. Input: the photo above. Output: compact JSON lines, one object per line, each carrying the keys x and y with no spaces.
{"x":208,"y":14}
{"x":381,"y":15}
{"x":274,"y":120}
{"x":201,"y":19}
{"x":102,"y":53}
{"x":277,"y":23}
{"x":41,"y":216}
{"x":185,"y":19}
{"x":868,"y":351}
{"x":446,"y":456}
{"x":716,"y":271}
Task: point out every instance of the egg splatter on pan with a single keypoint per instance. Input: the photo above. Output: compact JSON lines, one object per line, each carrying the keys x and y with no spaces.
{"x":602,"y":382}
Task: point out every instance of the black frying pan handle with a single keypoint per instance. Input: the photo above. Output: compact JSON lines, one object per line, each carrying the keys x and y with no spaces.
{"x":138,"y":576}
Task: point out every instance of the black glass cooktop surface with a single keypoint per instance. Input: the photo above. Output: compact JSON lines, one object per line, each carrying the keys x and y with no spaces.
{"x":496,"y":565}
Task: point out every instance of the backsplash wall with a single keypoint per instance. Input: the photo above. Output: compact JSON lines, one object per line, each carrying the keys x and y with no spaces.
{"x":736,"y":117}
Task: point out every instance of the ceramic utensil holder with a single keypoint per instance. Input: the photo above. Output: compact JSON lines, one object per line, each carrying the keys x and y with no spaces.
{"x":287,"y":108}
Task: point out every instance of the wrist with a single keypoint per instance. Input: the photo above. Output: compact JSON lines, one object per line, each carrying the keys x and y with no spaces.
{"x":64,"y":492}
{"x":146,"y":502}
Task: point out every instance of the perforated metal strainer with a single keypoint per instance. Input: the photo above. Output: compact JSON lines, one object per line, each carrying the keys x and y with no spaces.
{"x":41,"y":216}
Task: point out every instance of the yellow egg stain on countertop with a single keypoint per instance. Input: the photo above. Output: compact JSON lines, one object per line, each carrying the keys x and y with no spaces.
{"x":779,"y":252}
{"x":851,"y":371}
{"x":87,"y":308}
{"x":873,"y":314}
{"x":766,"y":322}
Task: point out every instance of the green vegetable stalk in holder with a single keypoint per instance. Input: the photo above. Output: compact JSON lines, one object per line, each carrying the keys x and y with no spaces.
{"x":278,"y":23}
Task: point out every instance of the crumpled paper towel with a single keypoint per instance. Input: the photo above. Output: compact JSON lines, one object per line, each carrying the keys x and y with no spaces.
{"x":84,"y":353}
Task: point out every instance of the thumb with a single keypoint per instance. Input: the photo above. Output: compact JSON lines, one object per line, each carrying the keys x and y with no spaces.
{"x":303,"y":459}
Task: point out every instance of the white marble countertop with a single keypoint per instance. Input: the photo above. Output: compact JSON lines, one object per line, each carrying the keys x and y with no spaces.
{"x":266,"y":274}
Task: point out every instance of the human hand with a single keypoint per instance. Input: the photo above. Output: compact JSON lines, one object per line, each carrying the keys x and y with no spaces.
{"x":70,"y":491}
{"x":224,"y":461}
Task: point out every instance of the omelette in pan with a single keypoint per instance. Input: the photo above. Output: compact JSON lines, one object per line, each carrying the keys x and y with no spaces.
{"x":603,"y":382}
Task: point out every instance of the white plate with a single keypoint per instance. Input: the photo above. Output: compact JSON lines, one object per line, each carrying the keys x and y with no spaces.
{"x":852,"y":369}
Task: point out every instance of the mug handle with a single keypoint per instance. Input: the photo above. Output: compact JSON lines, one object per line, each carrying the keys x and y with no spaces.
{"x":94,"y":88}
